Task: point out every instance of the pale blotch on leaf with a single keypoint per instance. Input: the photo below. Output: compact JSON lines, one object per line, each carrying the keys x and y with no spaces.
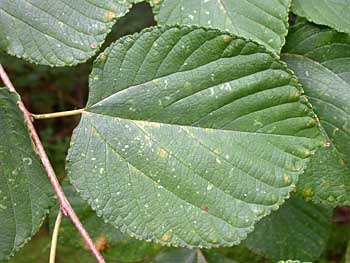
{"x":308,"y":153}
{"x":162,"y":153}
{"x":110,"y":16}
{"x":227,"y":39}
{"x":287,"y":179}
{"x":308,"y":192}
{"x":166,"y":237}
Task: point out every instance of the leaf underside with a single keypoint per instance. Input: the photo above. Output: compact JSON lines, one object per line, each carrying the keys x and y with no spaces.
{"x":25,"y":192}
{"x":57,"y":32}
{"x":298,"y":230}
{"x":190,"y":136}
{"x":262,"y":21}
{"x":320,"y":57}
{"x":333,"y":13}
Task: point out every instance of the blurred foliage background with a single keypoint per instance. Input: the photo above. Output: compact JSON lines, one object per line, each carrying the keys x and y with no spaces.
{"x":45,"y":90}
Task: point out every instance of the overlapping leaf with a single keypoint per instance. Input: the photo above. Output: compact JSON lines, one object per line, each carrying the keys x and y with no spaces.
{"x":298,"y":230}
{"x":113,"y":245}
{"x":333,"y":13}
{"x":24,"y":188}
{"x":263,"y":21}
{"x":189,"y":256}
{"x":190,"y":136}
{"x":57,"y":32}
{"x":320,"y":57}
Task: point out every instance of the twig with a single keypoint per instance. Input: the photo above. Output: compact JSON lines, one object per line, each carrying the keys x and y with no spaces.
{"x":55,"y":237}
{"x":201,"y":257}
{"x":64,"y":204}
{"x":57,"y":114}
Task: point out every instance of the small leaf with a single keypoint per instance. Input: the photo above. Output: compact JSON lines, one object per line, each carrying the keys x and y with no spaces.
{"x":333,"y":13}
{"x":25,"y":192}
{"x":320,"y":57}
{"x":298,"y":230}
{"x":190,"y":136}
{"x":57,"y":32}
{"x":262,"y":21}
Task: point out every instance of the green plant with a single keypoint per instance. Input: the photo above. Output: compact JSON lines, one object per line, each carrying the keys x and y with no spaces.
{"x":195,"y":133}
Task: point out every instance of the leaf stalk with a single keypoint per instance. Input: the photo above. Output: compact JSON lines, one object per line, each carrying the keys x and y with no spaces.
{"x":55,"y":237}
{"x":57,"y":114}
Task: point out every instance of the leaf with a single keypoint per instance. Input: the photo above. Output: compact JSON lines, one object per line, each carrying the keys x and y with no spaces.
{"x":320,"y":57}
{"x":25,"y":192}
{"x":333,"y":13}
{"x":114,"y":245}
{"x":179,"y":255}
{"x":57,"y":32}
{"x":262,"y":21}
{"x":176,"y":142}
{"x":298,"y":230}
{"x":175,"y":255}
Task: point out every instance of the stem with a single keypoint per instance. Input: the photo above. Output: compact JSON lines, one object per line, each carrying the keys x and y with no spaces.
{"x":64,"y":204}
{"x":201,"y":257}
{"x":55,"y":237}
{"x":57,"y":114}
{"x":347,"y":253}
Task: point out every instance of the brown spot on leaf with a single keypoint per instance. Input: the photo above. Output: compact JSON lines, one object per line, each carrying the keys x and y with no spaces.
{"x":205,"y":209}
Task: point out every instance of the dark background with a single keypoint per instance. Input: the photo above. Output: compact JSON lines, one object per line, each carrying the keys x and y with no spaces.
{"x":46,"y":90}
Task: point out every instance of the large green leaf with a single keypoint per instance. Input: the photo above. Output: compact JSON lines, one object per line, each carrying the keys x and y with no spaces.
{"x":263,"y":21}
{"x":320,"y":57}
{"x":333,"y":13}
{"x":25,"y":193}
{"x":298,"y":230}
{"x":190,"y":136}
{"x":57,"y":32}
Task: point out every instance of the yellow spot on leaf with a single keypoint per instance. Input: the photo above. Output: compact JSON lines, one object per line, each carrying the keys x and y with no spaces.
{"x":307,"y":153}
{"x":287,"y":179}
{"x":165,"y":237}
{"x":110,"y":16}
{"x":103,"y":57}
{"x":227,"y":39}
{"x":308,"y":192}
{"x":311,"y":123}
{"x":295,"y":95}
{"x":162,"y":153}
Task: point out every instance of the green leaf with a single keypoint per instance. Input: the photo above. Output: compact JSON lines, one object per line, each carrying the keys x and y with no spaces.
{"x":190,"y":136}
{"x":179,"y":255}
{"x":333,"y":13}
{"x":262,"y":21}
{"x":320,"y":57}
{"x":57,"y":32}
{"x":298,"y":230}
{"x":25,"y":192}
{"x":113,"y":245}
{"x":217,"y":258}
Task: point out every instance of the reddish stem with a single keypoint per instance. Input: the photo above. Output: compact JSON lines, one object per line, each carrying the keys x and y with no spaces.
{"x":65,"y":205}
